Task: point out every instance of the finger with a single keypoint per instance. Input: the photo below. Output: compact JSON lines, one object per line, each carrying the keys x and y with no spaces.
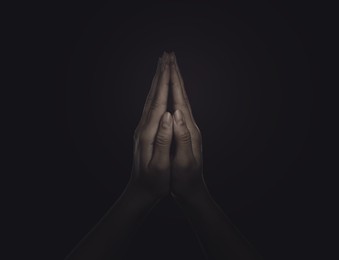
{"x":180,"y":102}
{"x":182,"y":86}
{"x":158,"y":104}
{"x":180,"y":99}
{"x":162,"y":143}
{"x":184,"y":152}
{"x":150,"y":94}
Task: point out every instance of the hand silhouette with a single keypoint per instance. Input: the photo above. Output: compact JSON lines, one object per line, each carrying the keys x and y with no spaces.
{"x":153,"y":137}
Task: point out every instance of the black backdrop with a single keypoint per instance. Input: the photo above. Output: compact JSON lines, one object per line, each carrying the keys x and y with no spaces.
{"x":249,"y":74}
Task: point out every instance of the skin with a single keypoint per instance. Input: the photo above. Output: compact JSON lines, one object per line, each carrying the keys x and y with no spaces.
{"x":157,"y":173}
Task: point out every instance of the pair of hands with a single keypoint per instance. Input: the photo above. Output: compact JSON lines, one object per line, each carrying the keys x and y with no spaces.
{"x":155,"y":170}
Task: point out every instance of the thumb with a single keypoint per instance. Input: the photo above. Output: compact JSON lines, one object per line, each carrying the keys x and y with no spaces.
{"x":182,"y":136}
{"x":162,"y":142}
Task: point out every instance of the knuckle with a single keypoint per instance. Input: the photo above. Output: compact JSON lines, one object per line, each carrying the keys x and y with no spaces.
{"x":185,"y":137}
{"x":181,"y":106}
{"x":162,"y":140}
{"x":155,"y":104}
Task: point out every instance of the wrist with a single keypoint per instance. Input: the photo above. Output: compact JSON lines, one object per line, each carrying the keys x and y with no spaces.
{"x":141,"y":193}
{"x":196,"y":203}
{"x":192,"y":195}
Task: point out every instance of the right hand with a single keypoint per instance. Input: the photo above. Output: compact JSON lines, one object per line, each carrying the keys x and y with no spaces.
{"x":187,"y":170}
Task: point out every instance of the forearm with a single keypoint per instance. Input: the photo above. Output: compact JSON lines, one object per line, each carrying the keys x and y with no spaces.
{"x":220,"y":239}
{"x":108,"y":239}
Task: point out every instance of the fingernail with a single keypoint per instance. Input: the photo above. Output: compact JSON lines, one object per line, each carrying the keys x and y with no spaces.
{"x":178,"y":117}
{"x":166,"y":120}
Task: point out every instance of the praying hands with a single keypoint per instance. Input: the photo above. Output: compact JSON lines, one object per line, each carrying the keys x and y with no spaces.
{"x":157,"y":172}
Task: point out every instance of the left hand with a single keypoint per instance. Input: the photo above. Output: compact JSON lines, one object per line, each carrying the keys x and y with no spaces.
{"x":153,"y":137}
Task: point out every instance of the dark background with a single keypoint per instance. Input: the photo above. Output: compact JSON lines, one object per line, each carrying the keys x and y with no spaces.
{"x":251,"y":74}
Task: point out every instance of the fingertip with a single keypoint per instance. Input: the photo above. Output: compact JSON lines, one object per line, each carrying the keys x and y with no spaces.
{"x":167,"y":116}
{"x":178,"y":117}
{"x":165,"y":61}
{"x":166,"y":119}
{"x":179,"y":121}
